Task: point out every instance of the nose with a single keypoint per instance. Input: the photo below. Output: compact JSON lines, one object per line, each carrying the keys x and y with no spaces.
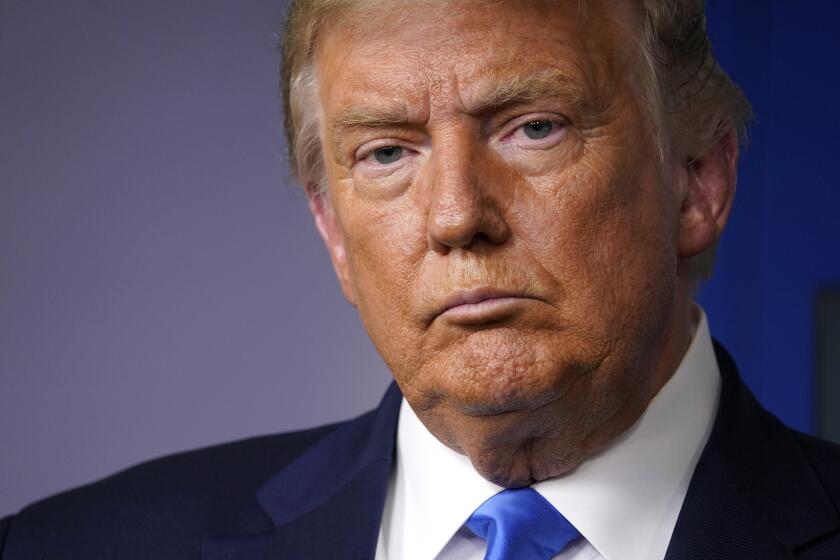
{"x":466,"y":207}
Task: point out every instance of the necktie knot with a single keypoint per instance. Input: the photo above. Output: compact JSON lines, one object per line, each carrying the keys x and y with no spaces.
{"x":520,"y":524}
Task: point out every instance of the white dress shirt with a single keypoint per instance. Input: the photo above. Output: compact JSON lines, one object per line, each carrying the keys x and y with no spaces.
{"x":624,"y":501}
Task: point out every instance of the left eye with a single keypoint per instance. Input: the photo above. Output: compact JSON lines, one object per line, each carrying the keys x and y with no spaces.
{"x":537,"y":130}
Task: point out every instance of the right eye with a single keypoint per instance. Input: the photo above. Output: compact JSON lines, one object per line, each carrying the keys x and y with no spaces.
{"x":386,"y":155}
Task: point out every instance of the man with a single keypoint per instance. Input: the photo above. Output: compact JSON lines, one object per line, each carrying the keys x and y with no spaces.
{"x":519,"y":197}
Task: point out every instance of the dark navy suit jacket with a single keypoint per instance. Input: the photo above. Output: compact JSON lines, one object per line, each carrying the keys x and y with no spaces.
{"x":760,"y":491}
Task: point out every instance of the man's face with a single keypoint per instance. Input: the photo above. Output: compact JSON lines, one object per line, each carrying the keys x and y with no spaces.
{"x":499,"y":215}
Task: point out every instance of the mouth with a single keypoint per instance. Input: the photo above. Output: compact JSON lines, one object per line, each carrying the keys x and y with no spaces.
{"x":479,"y":306}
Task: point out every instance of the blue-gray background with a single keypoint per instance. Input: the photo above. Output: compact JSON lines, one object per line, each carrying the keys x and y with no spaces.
{"x":162,"y":286}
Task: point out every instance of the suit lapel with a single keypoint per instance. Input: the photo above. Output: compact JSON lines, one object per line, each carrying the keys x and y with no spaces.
{"x":327,"y":503}
{"x":753,"y":493}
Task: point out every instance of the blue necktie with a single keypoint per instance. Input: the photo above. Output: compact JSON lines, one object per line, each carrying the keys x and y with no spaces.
{"x":520,"y":524}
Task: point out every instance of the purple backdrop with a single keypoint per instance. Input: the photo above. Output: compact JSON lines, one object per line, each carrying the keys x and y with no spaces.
{"x":161,"y":283}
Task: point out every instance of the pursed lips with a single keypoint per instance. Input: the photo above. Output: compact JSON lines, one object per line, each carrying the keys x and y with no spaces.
{"x":480,"y":305}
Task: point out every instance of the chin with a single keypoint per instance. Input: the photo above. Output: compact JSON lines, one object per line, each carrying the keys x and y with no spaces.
{"x":497,"y":388}
{"x":506,"y":370}
{"x":502,"y":397}
{"x":511,"y":391}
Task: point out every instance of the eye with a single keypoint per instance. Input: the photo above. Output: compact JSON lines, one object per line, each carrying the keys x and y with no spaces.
{"x":383,"y":156}
{"x":537,"y":130}
{"x":387,"y":155}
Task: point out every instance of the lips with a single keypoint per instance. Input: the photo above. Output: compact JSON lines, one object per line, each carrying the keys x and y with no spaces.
{"x":468,"y":297}
{"x":481,"y":305}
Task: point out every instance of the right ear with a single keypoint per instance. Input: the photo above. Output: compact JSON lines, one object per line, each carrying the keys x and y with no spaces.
{"x":330,"y":229}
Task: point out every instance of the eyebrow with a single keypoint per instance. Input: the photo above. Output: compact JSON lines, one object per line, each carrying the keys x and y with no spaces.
{"x":547,"y":84}
{"x":504,"y":92}
{"x":369,"y":116}
{"x":364,"y":116}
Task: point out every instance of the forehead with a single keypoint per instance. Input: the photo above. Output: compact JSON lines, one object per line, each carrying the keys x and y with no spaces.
{"x":413,"y":53}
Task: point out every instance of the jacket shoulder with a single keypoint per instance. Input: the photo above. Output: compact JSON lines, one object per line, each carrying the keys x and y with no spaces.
{"x":4,"y":530}
{"x":159,"y":509}
{"x":824,"y":457}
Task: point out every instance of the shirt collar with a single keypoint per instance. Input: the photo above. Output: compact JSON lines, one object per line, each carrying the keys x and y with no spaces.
{"x":625,"y":500}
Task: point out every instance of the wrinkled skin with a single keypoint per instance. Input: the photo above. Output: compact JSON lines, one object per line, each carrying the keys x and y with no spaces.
{"x":552,"y":207}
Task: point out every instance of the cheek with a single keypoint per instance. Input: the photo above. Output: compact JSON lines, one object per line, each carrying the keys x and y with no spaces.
{"x":385,"y":244}
{"x":604,"y":231}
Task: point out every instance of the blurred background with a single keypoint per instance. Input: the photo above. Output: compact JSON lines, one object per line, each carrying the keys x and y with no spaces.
{"x":162,"y":286}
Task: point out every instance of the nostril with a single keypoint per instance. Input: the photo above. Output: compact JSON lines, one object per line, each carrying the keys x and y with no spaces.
{"x":480,"y":237}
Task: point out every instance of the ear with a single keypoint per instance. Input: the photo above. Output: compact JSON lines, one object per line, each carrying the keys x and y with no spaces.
{"x":708,"y":195}
{"x":327,"y":223}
